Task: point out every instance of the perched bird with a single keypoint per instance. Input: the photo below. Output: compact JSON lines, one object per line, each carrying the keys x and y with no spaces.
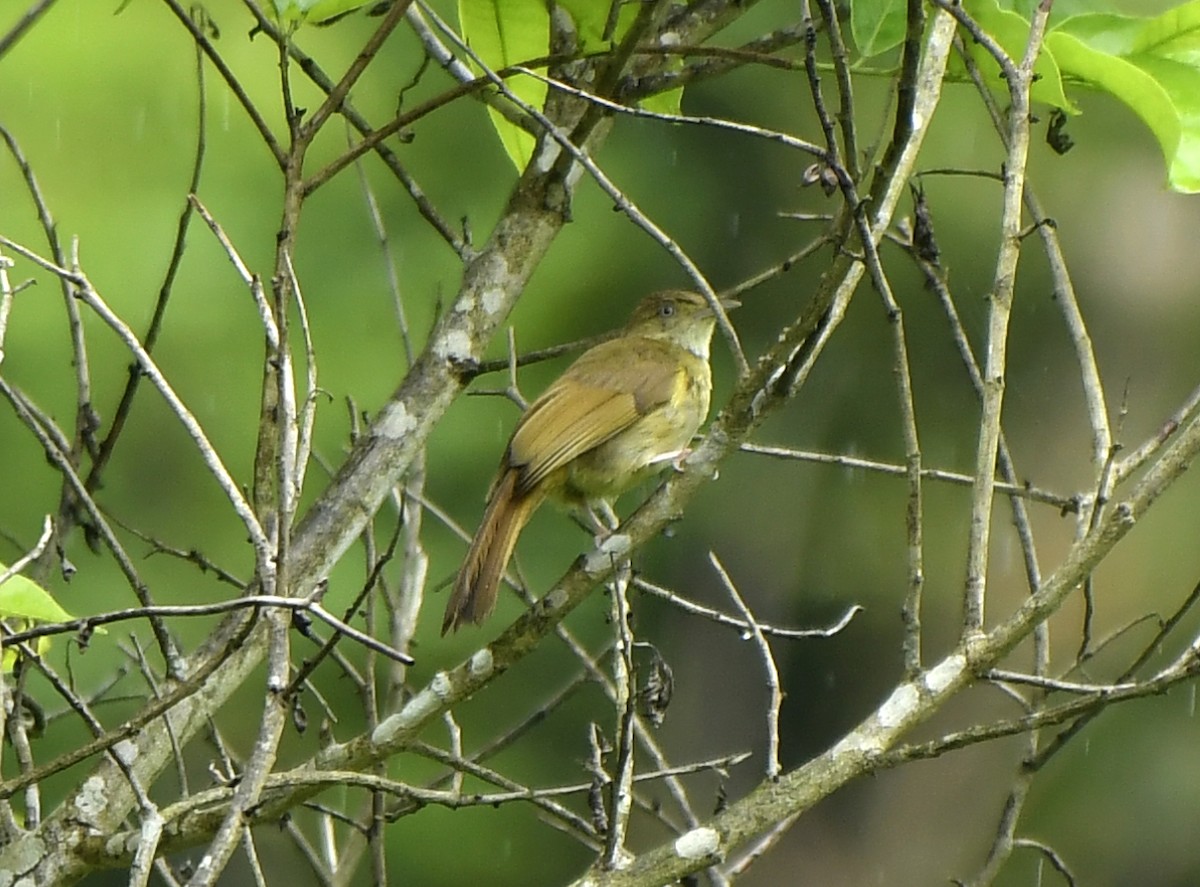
{"x":619,"y":413}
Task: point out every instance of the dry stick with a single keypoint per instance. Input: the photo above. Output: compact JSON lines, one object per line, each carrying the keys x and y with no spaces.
{"x":773,"y":768}
{"x":306,"y":419}
{"x":24,"y":560}
{"x":1066,"y":504}
{"x":914,"y":521}
{"x":12,"y":697}
{"x":27,"y":20}
{"x":388,"y":257}
{"x":50,"y":229}
{"x":742,"y":625}
{"x":995,"y":365}
{"x":991,"y":448}
{"x":841,"y":68}
{"x":1094,"y":396}
{"x":1134,"y":460}
{"x":6,"y":300}
{"x":262,"y":759}
{"x":147,"y":848}
{"x":624,"y":683}
{"x":1024,"y":776}
{"x":1051,"y":856}
{"x":761,"y":847}
{"x":307,"y":604}
{"x":845,"y":171}
{"x":138,"y":654}
{"x":770,"y":135}
{"x":247,"y":844}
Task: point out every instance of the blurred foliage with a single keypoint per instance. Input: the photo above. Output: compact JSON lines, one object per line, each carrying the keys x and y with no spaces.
{"x":104,"y":107}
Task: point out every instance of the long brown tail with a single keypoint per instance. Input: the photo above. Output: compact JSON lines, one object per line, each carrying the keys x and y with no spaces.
{"x":478,"y":580}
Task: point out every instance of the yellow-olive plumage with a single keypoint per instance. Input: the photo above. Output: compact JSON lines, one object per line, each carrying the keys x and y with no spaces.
{"x":616,"y":415}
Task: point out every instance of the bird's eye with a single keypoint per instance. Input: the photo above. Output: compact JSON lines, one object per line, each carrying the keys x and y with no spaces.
{"x":666,"y":309}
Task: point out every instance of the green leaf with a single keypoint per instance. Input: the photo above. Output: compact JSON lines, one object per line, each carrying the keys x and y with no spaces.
{"x":24,"y":598}
{"x":591,"y":18}
{"x":878,"y":25}
{"x":314,"y":11}
{"x":503,"y":33}
{"x":1011,"y":31}
{"x":669,"y":102}
{"x":1153,"y":66}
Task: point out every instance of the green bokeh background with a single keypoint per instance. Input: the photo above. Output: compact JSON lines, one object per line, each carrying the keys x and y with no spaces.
{"x":104,"y":107}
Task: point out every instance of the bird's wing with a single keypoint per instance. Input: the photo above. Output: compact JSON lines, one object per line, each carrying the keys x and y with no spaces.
{"x":605,"y":391}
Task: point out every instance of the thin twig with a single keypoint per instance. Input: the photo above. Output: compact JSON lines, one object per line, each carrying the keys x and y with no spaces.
{"x":775,"y":703}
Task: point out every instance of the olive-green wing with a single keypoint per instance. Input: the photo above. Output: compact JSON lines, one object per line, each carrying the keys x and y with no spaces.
{"x":605,"y":391}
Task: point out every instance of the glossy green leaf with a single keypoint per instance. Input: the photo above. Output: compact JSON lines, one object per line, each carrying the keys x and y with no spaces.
{"x":591,"y":19}
{"x":1011,"y":31}
{"x":314,"y":11}
{"x":23,"y":598}
{"x":878,"y":25}
{"x":503,"y":33}
{"x":1153,"y":66}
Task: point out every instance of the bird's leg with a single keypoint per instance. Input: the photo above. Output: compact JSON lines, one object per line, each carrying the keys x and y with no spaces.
{"x":603,"y":519}
{"x":675,"y":458}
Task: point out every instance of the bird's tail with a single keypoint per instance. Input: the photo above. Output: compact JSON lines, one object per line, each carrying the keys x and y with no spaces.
{"x":478,"y":581}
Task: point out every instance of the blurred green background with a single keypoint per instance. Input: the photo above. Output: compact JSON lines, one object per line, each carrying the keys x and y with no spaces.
{"x":104,"y":107}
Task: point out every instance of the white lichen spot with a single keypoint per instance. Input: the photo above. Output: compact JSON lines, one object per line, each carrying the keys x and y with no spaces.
{"x":454,"y":345}
{"x":396,"y":422}
{"x":858,"y":743}
{"x":492,"y":300}
{"x":697,"y":844}
{"x":670,"y":38}
{"x":418,"y":710}
{"x":897,"y":707}
{"x":464,"y":305}
{"x":481,"y":664}
{"x":24,"y":857}
{"x":574,"y":174}
{"x":441,"y":685}
{"x":126,"y":751}
{"x":606,"y":553}
{"x":945,"y":673}
{"x":547,"y":155}
{"x":92,"y":799}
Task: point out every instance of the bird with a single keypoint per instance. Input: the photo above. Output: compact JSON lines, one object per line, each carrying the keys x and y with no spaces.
{"x":621,"y":412}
